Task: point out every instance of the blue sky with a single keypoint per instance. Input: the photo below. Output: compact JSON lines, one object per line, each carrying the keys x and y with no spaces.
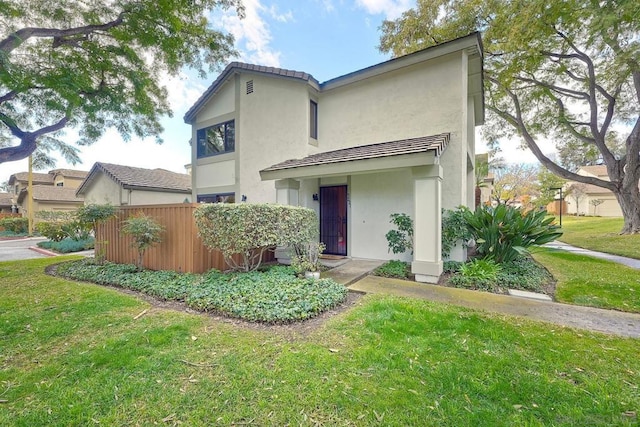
{"x":326,"y":38}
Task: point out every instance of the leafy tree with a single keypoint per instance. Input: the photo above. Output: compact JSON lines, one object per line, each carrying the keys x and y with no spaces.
{"x":595,"y":203}
{"x":514,"y":182}
{"x":548,"y":183}
{"x":95,"y":65}
{"x":578,"y":192}
{"x":93,"y":215}
{"x":144,"y":231}
{"x":567,"y":70}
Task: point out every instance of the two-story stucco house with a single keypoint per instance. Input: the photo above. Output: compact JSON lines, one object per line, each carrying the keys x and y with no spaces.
{"x":397,"y":137}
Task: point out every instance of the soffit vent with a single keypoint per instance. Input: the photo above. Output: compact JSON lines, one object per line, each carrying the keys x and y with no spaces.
{"x":249,"y":87}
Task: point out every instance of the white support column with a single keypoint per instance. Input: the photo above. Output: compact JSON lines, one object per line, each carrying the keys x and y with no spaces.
{"x":287,"y":193}
{"x":427,"y":258}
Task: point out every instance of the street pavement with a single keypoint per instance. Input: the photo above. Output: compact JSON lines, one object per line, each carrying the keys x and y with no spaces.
{"x":11,"y":250}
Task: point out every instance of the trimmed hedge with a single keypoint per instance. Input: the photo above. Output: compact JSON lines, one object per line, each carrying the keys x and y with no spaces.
{"x":251,"y":229}
{"x":15,"y":225}
{"x":273,"y":296}
{"x":68,"y":245}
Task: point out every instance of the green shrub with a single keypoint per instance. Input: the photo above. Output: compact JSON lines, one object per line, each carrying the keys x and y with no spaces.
{"x":273,"y":296}
{"x":503,"y":233}
{"x":393,"y":268}
{"x":252,"y":229}
{"x":144,"y":231}
{"x":454,"y":229}
{"x":15,"y":225}
{"x":54,"y":231}
{"x":478,"y":274}
{"x":68,"y":245}
{"x":451,"y":266}
{"x":523,"y":273}
{"x":400,"y":240}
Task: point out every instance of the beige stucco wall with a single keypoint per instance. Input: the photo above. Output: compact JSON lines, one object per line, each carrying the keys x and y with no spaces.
{"x":274,"y":126}
{"x":103,"y":190}
{"x":373,"y":198}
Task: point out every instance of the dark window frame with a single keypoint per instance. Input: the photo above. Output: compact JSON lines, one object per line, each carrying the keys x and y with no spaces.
{"x":226,"y":139}
{"x":313,"y":119}
{"x":217,"y":198}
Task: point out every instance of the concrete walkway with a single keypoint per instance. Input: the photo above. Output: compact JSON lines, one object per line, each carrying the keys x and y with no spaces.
{"x":354,"y":274}
{"x":629,"y":262}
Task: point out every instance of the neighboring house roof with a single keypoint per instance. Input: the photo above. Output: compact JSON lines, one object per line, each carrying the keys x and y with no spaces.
{"x":597,"y":170}
{"x":435,"y":143}
{"x":133,"y":178}
{"x":51,"y":193}
{"x":6,"y":199}
{"x":46,"y":178}
{"x":70,"y":173}
{"x":475,"y":86}
{"x":40,"y":178}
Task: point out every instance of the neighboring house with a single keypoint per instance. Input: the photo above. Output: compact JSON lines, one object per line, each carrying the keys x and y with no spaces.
{"x":50,"y":198}
{"x":397,"y":137}
{"x":608,"y":204}
{"x":125,"y":185}
{"x":52,"y":191}
{"x":6,"y":203}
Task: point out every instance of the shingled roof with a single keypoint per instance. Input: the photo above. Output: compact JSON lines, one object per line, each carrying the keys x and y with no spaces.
{"x":37,"y":178}
{"x":238,"y":66}
{"x":5,"y":200}
{"x":140,"y":179}
{"x":51,"y":193}
{"x":435,"y":143}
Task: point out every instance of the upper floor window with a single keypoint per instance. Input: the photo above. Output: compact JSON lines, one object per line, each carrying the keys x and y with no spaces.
{"x":313,"y":119}
{"x":216,"y":139}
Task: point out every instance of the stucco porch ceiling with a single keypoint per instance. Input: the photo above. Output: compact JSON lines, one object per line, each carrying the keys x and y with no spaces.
{"x":362,"y":159}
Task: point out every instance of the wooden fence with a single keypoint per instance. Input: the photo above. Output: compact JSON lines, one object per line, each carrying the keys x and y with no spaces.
{"x":181,"y":249}
{"x":553,"y":208}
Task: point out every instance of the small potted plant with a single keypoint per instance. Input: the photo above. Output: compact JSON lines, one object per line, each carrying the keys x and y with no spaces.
{"x":307,"y":259}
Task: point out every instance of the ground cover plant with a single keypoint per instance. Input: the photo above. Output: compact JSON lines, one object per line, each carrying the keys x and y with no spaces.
{"x":600,"y":234}
{"x":273,"y":296}
{"x":584,"y":280}
{"x":75,"y":353}
{"x":68,"y":245}
{"x":394,"y":268}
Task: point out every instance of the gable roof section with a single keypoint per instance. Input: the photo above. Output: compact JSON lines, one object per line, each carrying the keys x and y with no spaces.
{"x":235,"y":67}
{"x":70,"y":173}
{"x":51,"y":193}
{"x":472,"y":43}
{"x":133,"y":178}
{"x":597,"y":170}
{"x":434,"y":145}
{"x":6,"y":200}
{"x":39,"y":178}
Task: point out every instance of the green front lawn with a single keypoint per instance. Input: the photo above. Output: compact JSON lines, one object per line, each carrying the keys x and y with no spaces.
{"x":600,"y":234}
{"x":593,"y":282}
{"x":81,"y":354}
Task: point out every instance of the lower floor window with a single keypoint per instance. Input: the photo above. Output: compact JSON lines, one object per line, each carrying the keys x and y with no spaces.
{"x":217,"y":198}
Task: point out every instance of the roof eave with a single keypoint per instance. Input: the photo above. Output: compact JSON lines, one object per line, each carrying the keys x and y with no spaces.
{"x":352,"y":167}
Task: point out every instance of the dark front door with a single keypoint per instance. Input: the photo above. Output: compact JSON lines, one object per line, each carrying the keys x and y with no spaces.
{"x":333,"y":219}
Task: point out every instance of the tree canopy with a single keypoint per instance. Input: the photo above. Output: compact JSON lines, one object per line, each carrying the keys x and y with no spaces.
{"x":568,"y":71}
{"x":96,"y":65}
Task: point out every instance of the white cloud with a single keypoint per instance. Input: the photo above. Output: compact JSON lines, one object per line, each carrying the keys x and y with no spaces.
{"x":328,"y":5}
{"x":183,"y":90}
{"x":252,"y":33}
{"x":391,"y":9}
{"x":280,"y":17}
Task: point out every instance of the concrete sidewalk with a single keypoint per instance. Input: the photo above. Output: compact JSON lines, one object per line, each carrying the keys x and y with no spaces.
{"x":355,"y":275}
{"x":629,"y":262}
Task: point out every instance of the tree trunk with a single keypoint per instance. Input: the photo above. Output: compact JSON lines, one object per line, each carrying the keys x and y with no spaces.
{"x":629,"y":200}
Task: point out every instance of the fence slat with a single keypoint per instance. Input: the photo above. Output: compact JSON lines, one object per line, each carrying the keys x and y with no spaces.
{"x":180,"y":250}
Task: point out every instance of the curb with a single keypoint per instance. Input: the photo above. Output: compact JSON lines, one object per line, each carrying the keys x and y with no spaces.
{"x":42,"y":251}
